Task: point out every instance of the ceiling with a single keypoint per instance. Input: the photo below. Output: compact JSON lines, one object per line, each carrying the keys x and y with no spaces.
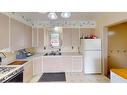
{"x":43,"y":16}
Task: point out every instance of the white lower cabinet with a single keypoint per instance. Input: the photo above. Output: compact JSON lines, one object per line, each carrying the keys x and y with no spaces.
{"x":28,"y":71}
{"x":33,"y":67}
{"x":62,"y":64}
{"x":52,"y":64}
{"x":38,"y":65}
{"x":67,"y":63}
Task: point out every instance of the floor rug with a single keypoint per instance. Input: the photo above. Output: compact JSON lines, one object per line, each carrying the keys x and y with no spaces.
{"x":52,"y":77}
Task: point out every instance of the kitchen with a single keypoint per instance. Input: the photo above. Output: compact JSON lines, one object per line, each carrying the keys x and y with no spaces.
{"x":52,"y":47}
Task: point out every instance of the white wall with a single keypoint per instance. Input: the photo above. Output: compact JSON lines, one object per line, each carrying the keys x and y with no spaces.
{"x":107,"y":19}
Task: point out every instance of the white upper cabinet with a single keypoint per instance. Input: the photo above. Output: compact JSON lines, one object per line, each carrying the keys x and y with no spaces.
{"x":34,"y":37}
{"x":16,"y":35}
{"x":27,"y":36}
{"x":4,"y":31}
{"x":20,"y":35}
{"x":67,"y":37}
{"x":71,"y":37}
{"x":75,"y":37}
{"x":40,"y":38}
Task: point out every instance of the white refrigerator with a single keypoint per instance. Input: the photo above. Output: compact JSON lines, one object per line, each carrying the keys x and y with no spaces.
{"x":91,"y":50}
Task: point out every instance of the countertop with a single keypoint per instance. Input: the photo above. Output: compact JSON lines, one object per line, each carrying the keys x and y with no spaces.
{"x":71,"y":54}
{"x":42,"y":54}
{"x":66,"y":54}
{"x":121,"y":72}
{"x":31,"y":58}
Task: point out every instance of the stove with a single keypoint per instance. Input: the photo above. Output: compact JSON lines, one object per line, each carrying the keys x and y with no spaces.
{"x":9,"y":73}
{"x":6,"y":69}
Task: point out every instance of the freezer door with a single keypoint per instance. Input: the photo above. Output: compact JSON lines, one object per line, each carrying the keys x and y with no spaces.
{"x":92,"y":62}
{"x":91,"y":44}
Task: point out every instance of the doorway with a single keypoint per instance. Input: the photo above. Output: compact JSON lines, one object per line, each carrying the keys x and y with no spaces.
{"x":117,"y":47}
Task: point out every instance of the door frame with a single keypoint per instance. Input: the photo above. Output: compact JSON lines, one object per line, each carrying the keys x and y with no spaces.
{"x":105,"y":46}
{"x":105,"y":51}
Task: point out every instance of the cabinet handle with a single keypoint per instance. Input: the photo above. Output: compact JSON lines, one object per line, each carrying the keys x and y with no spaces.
{"x":44,"y":48}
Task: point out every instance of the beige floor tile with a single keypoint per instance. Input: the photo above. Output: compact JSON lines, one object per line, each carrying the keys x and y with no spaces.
{"x":79,"y":78}
{"x":35,"y":78}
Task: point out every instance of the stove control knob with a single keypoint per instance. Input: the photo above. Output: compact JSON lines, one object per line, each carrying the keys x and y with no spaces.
{"x":14,"y":73}
{"x":5,"y":77}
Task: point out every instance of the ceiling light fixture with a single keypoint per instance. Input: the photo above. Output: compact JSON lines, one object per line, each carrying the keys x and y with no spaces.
{"x":52,"y":15}
{"x":65,"y":14}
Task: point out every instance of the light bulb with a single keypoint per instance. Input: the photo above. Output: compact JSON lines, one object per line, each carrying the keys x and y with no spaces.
{"x":52,"y":15}
{"x":65,"y":14}
{"x":56,"y":28}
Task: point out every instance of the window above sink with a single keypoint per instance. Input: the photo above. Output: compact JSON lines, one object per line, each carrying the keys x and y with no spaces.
{"x":54,"y":37}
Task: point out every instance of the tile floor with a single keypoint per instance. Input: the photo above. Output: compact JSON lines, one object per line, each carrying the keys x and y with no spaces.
{"x":79,"y":78}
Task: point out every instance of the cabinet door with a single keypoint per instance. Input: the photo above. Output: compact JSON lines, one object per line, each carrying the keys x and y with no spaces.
{"x":34,"y":37}
{"x":28,"y":71}
{"x":49,"y":64}
{"x":27,"y":36}
{"x":77,"y":64}
{"x":41,"y":38}
{"x":16,"y":34}
{"x":38,"y":65}
{"x":67,"y":37}
{"x":67,"y":63}
{"x":52,"y":64}
{"x":4,"y":31}
{"x":71,"y":37}
{"x":75,"y":37}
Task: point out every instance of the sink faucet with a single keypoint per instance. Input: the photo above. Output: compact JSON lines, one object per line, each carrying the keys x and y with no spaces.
{"x":1,"y":57}
{"x":3,"y":54}
{"x":0,"y":60}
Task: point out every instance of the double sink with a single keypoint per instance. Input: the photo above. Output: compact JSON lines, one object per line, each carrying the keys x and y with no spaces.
{"x":53,"y":54}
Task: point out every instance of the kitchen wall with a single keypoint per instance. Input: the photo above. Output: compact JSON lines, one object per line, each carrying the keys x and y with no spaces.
{"x":107,"y":19}
{"x":102,"y":22}
{"x":117,"y":47}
